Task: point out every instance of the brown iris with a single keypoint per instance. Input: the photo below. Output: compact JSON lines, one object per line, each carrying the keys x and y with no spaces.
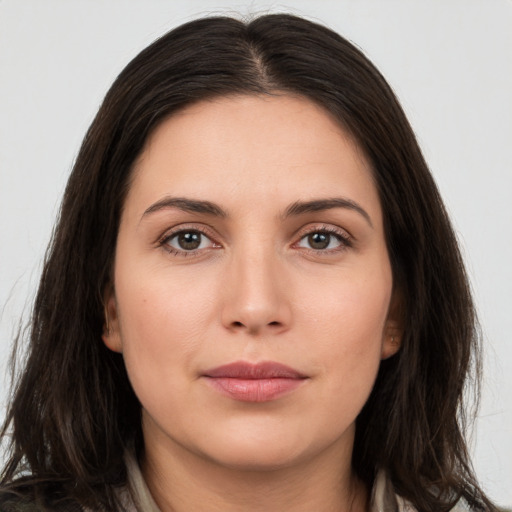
{"x":319,"y":240}
{"x":189,"y":240}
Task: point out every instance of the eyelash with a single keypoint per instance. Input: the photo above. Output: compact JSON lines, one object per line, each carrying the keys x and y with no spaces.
{"x":164,"y":241}
{"x":343,"y":238}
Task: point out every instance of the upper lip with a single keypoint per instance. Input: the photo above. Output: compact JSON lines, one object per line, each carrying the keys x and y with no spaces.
{"x":246,"y":370}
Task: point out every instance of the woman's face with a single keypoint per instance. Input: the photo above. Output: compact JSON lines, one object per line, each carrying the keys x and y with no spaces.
{"x":252,"y":286}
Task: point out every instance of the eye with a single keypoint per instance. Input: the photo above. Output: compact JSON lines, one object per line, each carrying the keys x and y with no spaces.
{"x":324,"y":240}
{"x":187,"y":241}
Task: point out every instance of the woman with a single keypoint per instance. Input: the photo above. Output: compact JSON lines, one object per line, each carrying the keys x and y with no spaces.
{"x":253,"y":299}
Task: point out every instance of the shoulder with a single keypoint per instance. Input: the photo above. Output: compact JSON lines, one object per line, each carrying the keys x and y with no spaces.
{"x":385,"y":499}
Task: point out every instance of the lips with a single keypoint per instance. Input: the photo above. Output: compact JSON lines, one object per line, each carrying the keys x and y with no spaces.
{"x":259,"y":382}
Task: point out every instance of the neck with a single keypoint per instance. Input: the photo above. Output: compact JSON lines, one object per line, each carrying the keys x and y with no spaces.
{"x":181,"y":481}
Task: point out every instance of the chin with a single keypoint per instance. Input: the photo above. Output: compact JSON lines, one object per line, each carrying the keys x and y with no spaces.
{"x":258,"y":459}
{"x":266,"y":450}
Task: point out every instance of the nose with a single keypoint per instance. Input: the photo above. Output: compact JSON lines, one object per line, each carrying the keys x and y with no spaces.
{"x":256,"y":295}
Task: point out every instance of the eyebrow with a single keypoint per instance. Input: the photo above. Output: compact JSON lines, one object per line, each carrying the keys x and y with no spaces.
{"x":186,"y":205}
{"x":295,"y":209}
{"x":318,"y":205}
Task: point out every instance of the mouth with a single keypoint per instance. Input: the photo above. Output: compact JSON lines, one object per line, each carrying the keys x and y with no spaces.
{"x":261,"y":382}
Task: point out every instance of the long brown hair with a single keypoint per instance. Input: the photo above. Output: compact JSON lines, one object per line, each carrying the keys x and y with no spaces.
{"x":73,"y":412}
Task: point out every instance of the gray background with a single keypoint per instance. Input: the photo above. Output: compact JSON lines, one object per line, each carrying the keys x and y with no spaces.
{"x":450,"y":63}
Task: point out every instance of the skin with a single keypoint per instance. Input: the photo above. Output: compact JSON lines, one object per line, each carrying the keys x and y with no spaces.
{"x":254,"y":290}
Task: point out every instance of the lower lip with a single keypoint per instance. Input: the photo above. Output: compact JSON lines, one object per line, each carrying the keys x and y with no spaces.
{"x":254,"y":390}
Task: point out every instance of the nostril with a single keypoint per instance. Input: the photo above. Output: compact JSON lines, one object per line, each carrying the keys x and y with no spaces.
{"x":241,"y":324}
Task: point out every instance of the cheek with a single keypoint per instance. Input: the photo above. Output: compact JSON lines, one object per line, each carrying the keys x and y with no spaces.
{"x":161,"y":303}
{"x":162,"y":322}
{"x":347,"y":316}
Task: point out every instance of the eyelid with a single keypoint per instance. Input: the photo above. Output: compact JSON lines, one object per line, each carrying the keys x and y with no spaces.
{"x":342,"y":234}
{"x":345,"y":237}
{"x":175,"y":230}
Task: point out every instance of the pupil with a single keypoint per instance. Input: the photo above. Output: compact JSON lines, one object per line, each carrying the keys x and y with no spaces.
{"x":190,"y":240}
{"x":319,"y":240}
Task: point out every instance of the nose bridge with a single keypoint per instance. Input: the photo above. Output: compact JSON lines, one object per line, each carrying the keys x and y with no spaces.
{"x":255,"y":295}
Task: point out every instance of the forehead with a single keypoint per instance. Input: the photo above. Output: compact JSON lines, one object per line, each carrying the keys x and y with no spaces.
{"x":281,"y":147}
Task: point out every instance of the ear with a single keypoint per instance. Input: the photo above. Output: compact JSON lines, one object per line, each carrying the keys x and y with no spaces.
{"x":393,"y":331}
{"x":111,"y":335}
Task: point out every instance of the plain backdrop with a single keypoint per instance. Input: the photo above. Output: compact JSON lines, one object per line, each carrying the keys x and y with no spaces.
{"x":450,"y":62}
